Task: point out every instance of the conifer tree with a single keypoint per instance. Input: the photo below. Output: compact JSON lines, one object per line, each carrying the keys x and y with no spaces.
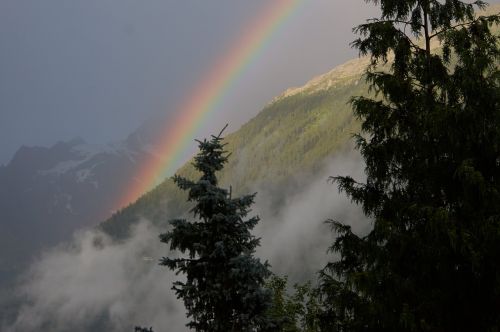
{"x":299,"y":311}
{"x":431,"y":143}
{"x":224,"y":286}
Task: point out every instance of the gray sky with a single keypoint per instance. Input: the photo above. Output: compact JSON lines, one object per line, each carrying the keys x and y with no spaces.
{"x":99,"y":68}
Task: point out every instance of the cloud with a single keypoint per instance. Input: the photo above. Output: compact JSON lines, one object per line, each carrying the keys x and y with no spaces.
{"x":96,"y":283}
{"x":296,"y":238}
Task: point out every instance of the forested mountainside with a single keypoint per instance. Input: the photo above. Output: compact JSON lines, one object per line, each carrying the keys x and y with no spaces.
{"x":294,"y":134}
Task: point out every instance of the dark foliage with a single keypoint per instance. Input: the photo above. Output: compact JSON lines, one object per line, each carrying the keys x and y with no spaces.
{"x":431,"y":143}
{"x":297,"y":312}
{"x":143,"y":329}
{"x":223,"y":290}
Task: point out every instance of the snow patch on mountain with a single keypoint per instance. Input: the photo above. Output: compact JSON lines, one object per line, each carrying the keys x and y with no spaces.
{"x":64,"y":167}
{"x":81,"y":154}
{"x":82,"y":175}
{"x":63,"y":200}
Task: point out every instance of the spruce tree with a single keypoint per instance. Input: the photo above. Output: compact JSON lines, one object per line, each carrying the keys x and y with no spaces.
{"x":224,"y":286}
{"x":431,"y":143}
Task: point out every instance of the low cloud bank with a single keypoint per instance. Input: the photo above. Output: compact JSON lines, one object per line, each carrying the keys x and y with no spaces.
{"x":99,"y":284}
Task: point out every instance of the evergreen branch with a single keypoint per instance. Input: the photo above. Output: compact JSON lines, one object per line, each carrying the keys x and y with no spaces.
{"x":455,"y":26}
{"x":376,"y":20}
{"x":222,"y":131}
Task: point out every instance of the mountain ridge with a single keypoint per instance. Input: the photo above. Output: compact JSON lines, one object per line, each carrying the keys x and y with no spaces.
{"x":315,"y":120}
{"x":46,"y":193}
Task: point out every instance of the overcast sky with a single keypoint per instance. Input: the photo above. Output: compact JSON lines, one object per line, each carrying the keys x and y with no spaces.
{"x":99,"y":68}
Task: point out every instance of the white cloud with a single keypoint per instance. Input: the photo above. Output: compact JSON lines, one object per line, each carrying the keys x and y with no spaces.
{"x":72,"y":287}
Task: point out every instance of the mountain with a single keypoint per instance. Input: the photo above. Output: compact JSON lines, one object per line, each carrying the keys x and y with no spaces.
{"x":293,"y":135}
{"x":48,"y":193}
{"x":281,"y":153}
{"x":278,"y":153}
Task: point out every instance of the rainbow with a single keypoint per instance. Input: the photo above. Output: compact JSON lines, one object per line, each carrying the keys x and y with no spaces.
{"x":208,"y":94}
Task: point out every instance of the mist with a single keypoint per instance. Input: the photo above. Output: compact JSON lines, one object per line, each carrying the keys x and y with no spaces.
{"x":95,"y":282}
{"x":295,"y":238}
